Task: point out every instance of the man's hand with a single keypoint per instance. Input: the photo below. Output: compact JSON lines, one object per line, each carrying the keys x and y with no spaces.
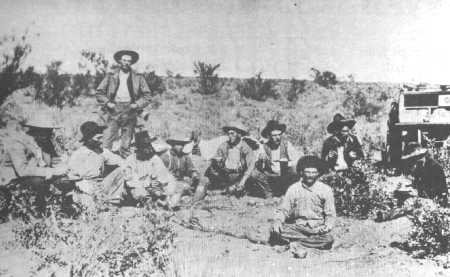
{"x":323,"y":229}
{"x":332,"y":155}
{"x":110,"y":105}
{"x":352,"y":154}
{"x":277,"y":227}
{"x":133,"y":106}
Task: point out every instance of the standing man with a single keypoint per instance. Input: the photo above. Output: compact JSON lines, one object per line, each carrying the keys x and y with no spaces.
{"x":123,"y":95}
{"x":307,"y":213}
{"x":233,"y":163}
{"x":181,"y":166}
{"x":275,"y":169}
{"x":341,"y":149}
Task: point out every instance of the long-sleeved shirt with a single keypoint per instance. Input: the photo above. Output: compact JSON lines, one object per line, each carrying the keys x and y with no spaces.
{"x":309,"y":206}
{"x":141,"y":173}
{"x":343,"y":148}
{"x":237,"y":157}
{"x":87,"y":164}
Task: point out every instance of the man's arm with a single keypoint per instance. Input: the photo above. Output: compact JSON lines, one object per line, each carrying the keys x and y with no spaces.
{"x":111,"y":158}
{"x":146,"y":96}
{"x":101,"y":94}
{"x":250,"y":160}
{"x":329,"y":209}
{"x":21,"y":165}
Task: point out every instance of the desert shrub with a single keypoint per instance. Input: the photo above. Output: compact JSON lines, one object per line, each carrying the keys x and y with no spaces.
{"x":95,"y":64}
{"x":12,"y":76}
{"x":56,"y":89}
{"x":431,"y":232}
{"x":257,"y":88}
{"x":296,"y":88}
{"x":354,"y":196}
{"x":135,"y":243}
{"x":155,"y":83}
{"x":325,"y":79}
{"x":358,"y":104}
{"x":209,"y":82}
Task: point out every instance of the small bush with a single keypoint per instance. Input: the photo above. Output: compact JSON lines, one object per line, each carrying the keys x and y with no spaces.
{"x":12,"y":76}
{"x":325,"y":79}
{"x":353,"y":194}
{"x":101,"y":243}
{"x":95,"y":64}
{"x":209,"y":82}
{"x":296,"y":88}
{"x":359,"y":105}
{"x":257,"y":88}
{"x":56,"y":89}
{"x":431,"y":232}
{"x":155,"y":83}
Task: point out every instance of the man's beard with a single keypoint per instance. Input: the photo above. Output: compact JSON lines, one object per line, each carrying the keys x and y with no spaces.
{"x":144,"y":154}
{"x":125,"y":69}
{"x":274,"y":144}
{"x":94,"y":145}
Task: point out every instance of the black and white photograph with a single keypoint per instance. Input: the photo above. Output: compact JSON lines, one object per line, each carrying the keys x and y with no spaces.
{"x":213,"y":138}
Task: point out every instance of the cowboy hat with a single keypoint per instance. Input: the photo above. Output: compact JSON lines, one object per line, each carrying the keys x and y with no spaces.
{"x":273,"y":125}
{"x":42,"y":120}
{"x":414,"y":150}
{"x":89,"y":129}
{"x":338,"y":122}
{"x":236,"y":126}
{"x":178,"y":140}
{"x":134,"y":55}
{"x":311,"y":161}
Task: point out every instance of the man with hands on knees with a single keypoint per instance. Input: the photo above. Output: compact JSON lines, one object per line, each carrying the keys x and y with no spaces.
{"x":307,"y":212}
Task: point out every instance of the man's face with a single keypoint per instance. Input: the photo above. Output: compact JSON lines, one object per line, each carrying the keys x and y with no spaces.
{"x":275,"y":137}
{"x":178,"y":149}
{"x":125,"y":63}
{"x":344,"y":132}
{"x":310,"y":175}
{"x":233,"y":136}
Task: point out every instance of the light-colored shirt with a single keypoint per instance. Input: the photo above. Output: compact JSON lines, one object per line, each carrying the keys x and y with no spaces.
{"x":141,"y":173}
{"x":87,"y":164}
{"x":123,"y":95}
{"x":237,"y":157}
{"x":309,"y":206}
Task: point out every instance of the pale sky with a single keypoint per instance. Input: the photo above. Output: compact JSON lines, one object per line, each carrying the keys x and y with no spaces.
{"x":383,"y":40}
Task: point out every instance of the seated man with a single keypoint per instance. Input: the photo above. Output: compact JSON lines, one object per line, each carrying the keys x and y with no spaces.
{"x":233,"y":163}
{"x":428,"y":185}
{"x":143,"y":176}
{"x":275,"y":168}
{"x":181,"y":166}
{"x":307,"y":212}
{"x":87,"y":162}
{"x":29,"y":151}
{"x":341,"y":149}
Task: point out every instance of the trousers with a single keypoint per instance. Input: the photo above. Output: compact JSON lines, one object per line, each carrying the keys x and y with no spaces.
{"x":120,"y":125}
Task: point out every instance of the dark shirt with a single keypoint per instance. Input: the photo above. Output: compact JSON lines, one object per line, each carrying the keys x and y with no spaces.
{"x":430,"y":181}
{"x":350,"y":144}
{"x":179,"y":166}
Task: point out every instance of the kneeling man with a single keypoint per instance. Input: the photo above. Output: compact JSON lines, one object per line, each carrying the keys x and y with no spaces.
{"x":307,"y":212}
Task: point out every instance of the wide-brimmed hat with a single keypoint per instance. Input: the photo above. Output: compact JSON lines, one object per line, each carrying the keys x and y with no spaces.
{"x":89,"y":129}
{"x":311,"y":161}
{"x":178,"y":140}
{"x":414,"y":150}
{"x":142,"y":140}
{"x":273,"y":125}
{"x":134,"y":55}
{"x":42,"y":120}
{"x":340,"y":121}
{"x":236,"y":126}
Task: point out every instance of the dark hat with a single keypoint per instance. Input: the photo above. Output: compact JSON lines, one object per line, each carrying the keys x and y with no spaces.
{"x":272,"y":125}
{"x":414,"y":150}
{"x":142,"y":139}
{"x":134,"y":55}
{"x":236,"y":126}
{"x":89,"y":129}
{"x":311,"y":161}
{"x":340,"y":121}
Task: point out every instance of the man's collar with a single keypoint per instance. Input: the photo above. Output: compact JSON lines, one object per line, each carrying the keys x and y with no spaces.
{"x":308,"y":187}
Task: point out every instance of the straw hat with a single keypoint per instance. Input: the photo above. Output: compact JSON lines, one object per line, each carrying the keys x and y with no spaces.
{"x":236,"y":126}
{"x":178,"y":140}
{"x":42,"y":119}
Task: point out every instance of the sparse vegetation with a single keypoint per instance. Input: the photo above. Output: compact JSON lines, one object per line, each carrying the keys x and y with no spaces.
{"x":257,"y":88}
{"x":296,"y":88}
{"x":359,"y":105}
{"x":155,"y":83}
{"x":209,"y":82}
